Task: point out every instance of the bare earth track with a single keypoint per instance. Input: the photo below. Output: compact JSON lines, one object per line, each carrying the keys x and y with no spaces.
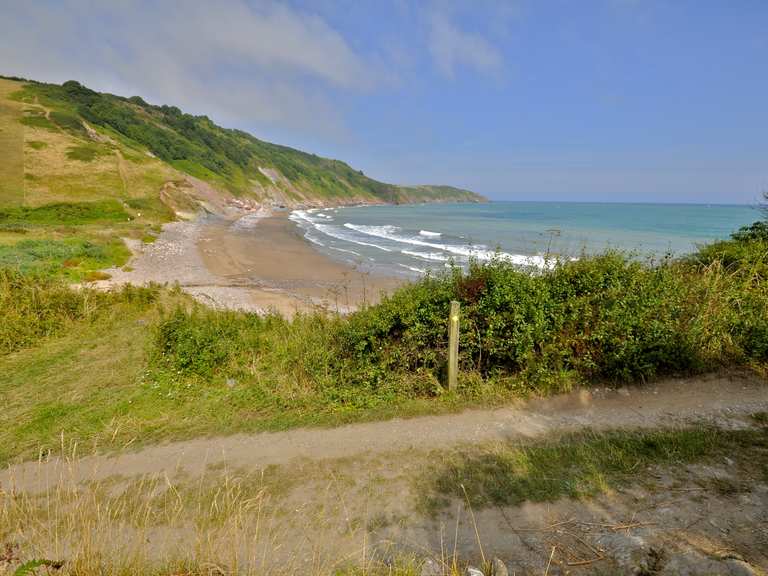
{"x":311,"y":500}
{"x":716,"y":398}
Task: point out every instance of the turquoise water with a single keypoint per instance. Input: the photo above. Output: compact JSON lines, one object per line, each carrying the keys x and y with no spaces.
{"x":412,"y":239}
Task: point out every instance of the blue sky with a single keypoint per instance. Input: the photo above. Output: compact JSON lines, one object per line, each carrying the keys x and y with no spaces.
{"x":620,"y":100}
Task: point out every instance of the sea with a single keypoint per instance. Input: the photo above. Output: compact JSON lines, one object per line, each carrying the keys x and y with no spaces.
{"x":411,"y":240}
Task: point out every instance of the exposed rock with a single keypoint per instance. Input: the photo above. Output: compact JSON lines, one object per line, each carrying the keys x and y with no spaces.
{"x":739,"y":568}
{"x":694,"y":563}
{"x":628,"y":551}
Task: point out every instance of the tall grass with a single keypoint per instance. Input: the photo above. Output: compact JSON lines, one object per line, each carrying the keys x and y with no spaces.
{"x":34,"y":307}
{"x":197,"y":371}
{"x":221,"y":523}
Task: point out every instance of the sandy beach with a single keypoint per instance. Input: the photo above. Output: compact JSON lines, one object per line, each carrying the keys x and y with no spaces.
{"x":259,"y":262}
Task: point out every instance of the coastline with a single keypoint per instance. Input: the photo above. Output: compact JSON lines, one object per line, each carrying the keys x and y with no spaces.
{"x":272,"y":255}
{"x":257,"y":262}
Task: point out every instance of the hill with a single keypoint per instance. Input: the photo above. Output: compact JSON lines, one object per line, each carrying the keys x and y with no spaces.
{"x":172,"y":152}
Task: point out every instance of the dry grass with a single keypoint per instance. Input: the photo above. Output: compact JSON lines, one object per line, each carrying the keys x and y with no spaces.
{"x":53,"y":176}
{"x":222,"y":522}
{"x":48,"y":164}
{"x":337,"y":516}
{"x":11,"y":146}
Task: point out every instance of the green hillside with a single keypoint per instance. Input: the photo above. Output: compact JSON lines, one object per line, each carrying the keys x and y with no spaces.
{"x":231,"y":160}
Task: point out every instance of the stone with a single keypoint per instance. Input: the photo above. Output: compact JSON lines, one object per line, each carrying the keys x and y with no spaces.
{"x":737,"y":567}
{"x":498,"y":568}
{"x":430,"y":568}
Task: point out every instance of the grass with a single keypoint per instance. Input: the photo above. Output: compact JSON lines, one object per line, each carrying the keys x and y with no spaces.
{"x":123,"y":400}
{"x":75,"y":258}
{"x":12,"y":146}
{"x":240,"y":521}
{"x":64,"y":214}
{"x":585,"y":464}
{"x":227,"y":158}
{"x":83,"y":153}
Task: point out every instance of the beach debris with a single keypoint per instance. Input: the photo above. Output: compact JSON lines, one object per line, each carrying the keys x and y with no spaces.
{"x":472,"y":571}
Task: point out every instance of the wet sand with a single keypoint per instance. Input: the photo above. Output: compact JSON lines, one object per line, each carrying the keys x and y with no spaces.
{"x":259,"y":262}
{"x":271,"y":257}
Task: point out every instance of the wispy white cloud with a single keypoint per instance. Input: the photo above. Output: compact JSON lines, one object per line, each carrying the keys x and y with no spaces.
{"x":260,"y":61}
{"x":451,"y":47}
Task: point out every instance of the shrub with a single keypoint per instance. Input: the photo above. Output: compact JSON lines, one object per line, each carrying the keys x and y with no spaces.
{"x":202,"y":342}
{"x":69,"y":122}
{"x":606,"y":317}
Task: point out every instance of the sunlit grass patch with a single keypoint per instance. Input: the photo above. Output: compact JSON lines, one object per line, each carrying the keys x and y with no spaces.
{"x":38,"y":121}
{"x":83,"y":153}
{"x":64,"y":214}
{"x":583,"y":464}
{"x":74,"y":258}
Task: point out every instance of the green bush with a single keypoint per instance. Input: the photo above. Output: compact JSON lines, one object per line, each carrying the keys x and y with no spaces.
{"x":202,"y":342}
{"x":604,"y":318}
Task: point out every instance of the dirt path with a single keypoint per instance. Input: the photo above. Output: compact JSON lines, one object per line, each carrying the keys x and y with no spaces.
{"x":312,"y":500}
{"x":719,"y":398}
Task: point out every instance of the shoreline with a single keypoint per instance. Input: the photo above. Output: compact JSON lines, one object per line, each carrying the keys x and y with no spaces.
{"x":258,"y":262}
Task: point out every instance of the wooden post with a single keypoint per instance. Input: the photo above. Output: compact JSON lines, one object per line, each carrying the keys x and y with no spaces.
{"x":453,"y":345}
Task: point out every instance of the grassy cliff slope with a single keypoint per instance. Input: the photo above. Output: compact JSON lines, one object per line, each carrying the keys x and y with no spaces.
{"x":230,"y":160}
{"x":80,"y":171}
